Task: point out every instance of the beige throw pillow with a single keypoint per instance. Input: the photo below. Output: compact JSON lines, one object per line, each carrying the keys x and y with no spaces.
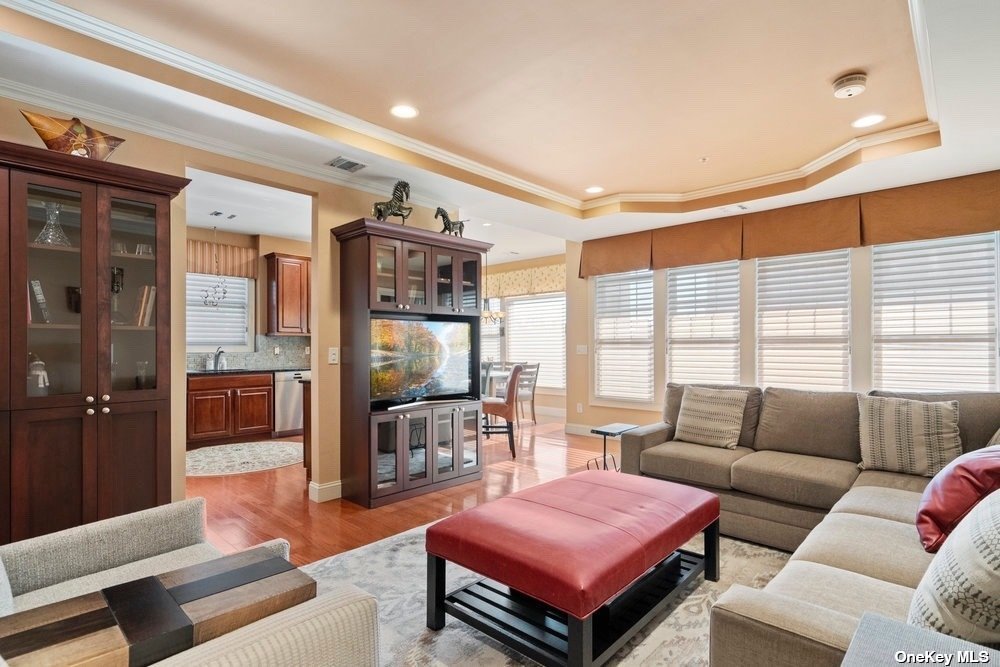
{"x":913,"y":437}
{"x":711,"y":417}
{"x":959,"y":594}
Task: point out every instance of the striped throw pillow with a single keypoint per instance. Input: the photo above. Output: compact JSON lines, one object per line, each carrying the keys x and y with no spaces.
{"x":959,"y":594}
{"x":913,"y":437}
{"x":711,"y":417}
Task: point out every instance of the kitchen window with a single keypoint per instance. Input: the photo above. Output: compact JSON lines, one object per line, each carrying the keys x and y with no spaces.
{"x":229,"y":325}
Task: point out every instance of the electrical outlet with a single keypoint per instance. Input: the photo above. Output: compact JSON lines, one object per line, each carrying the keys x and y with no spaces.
{"x":308,"y":350}
{"x":332,"y":355}
{"x":277,"y":351}
{"x":579,"y":408}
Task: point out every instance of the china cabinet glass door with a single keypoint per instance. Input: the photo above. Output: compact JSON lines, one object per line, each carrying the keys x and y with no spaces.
{"x":471,"y":438}
{"x":385,"y":254}
{"x":417,"y":438}
{"x":470,"y":284}
{"x":387,"y":475}
{"x":53,"y":239}
{"x":445,"y":443}
{"x":132,"y":356}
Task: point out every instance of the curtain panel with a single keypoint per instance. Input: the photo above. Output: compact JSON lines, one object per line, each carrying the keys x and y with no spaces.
{"x":525,"y":282}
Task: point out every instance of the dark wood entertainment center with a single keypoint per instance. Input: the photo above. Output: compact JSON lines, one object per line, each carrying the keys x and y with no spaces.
{"x":392,"y":272}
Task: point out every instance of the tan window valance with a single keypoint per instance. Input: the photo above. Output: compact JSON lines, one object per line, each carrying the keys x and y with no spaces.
{"x":616,"y":254}
{"x":233,"y":260}
{"x":830,"y":224}
{"x":523,"y":282}
{"x":953,"y":207}
{"x":703,"y":242}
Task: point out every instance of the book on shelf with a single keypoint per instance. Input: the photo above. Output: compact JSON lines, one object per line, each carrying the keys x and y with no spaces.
{"x":144,"y":306}
{"x":43,"y":307}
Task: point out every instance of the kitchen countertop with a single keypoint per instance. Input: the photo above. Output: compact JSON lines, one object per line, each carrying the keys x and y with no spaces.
{"x":247,"y":371}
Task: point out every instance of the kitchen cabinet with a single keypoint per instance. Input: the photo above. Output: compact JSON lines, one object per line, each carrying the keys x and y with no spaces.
{"x":288,"y":295}
{"x":230,"y":407}
{"x":87,"y":244}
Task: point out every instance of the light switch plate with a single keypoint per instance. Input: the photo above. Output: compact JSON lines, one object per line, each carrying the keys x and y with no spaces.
{"x":333,"y":355}
{"x":581,"y":349}
{"x":277,"y":351}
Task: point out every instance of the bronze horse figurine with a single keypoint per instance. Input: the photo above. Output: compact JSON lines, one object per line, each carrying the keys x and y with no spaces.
{"x":394,"y":207}
{"x":456,"y":227}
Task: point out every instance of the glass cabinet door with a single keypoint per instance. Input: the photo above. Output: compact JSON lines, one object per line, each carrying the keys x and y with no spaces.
{"x":385,"y":257}
{"x":470,"y":284}
{"x":417,"y":437}
{"x":132,"y":358}
{"x":471,"y":438}
{"x":445,"y":443}
{"x":53,"y":237}
{"x":387,"y":462}
{"x":417,"y":258}
{"x":444,"y":282}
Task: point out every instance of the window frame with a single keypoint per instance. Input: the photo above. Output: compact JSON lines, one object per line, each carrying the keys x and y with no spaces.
{"x":251,"y":313}
{"x":611,"y":400}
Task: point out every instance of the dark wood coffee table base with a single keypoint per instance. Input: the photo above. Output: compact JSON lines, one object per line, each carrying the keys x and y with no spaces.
{"x":554,"y":638}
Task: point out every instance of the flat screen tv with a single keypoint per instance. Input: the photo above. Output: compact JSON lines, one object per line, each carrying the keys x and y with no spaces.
{"x":413,"y":360}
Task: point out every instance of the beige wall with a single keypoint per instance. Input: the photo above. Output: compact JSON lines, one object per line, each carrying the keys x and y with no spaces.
{"x":335,"y":205}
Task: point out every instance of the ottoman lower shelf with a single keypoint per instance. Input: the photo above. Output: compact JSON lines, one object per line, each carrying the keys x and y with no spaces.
{"x":544,"y":634}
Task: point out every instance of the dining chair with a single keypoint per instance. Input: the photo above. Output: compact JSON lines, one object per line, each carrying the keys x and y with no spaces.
{"x":526,"y":390}
{"x":505,"y":408}
{"x":484,"y":377}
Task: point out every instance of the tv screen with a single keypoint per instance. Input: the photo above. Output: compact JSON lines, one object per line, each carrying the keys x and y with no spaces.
{"x":415,"y":359}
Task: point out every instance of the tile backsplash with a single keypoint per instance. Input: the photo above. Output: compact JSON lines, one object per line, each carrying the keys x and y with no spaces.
{"x":292,"y":355}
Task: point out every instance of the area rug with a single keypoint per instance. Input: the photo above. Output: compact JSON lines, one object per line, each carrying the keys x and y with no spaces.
{"x":394,"y":571}
{"x":242,"y":457}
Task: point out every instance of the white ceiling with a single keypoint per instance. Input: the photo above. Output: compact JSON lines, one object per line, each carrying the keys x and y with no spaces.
{"x":961,"y":72}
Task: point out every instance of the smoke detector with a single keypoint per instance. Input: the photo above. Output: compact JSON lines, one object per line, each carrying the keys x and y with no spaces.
{"x":850,"y":85}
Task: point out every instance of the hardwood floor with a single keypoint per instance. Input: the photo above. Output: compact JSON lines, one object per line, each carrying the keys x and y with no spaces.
{"x":244,"y":510}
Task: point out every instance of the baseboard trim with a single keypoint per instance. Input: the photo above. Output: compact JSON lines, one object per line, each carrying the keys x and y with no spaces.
{"x":550,"y":412}
{"x":581,"y":429}
{"x":321,"y":493}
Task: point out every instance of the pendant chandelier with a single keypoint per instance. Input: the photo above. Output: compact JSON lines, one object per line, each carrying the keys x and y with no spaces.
{"x":216,"y":294}
{"x":489,"y":316}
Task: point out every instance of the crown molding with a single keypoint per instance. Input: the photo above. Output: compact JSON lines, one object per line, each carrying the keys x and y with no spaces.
{"x":922,"y":44}
{"x":842,"y":151}
{"x":71,"y":19}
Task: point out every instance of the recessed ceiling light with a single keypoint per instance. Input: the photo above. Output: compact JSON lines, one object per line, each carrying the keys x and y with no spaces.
{"x":594,"y":189}
{"x":703,"y":160}
{"x":868,"y":121}
{"x":487,"y":224}
{"x":404,"y":111}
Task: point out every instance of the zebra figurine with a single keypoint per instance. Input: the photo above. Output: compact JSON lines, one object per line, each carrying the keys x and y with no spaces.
{"x":394,"y":207}
{"x":457,"y":227}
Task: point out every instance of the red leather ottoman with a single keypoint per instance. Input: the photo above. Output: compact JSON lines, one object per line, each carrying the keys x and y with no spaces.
{"x":574,"y":567}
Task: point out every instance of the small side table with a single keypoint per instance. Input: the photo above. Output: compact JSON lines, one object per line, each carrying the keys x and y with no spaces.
{"x":614,"y":430}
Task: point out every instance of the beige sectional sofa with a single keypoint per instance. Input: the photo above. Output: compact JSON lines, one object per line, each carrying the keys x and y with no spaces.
{"x":793,"y":483}
{"x":338,"y":627}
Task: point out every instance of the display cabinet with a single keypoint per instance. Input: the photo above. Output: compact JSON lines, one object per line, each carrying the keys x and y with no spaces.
{"x":86,"y":359}
{"x":420,"y":276}
{"x":288,"y":295}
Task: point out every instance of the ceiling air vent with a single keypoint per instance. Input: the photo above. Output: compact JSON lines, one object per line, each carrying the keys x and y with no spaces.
{"x":342,"y":163}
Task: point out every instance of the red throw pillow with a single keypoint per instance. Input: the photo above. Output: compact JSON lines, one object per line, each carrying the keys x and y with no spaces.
{"x":953,"y":493}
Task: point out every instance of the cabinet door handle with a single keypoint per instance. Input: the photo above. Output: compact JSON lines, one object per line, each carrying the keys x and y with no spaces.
{"x":399,"y":417}
{"x":407,"y":416}
{"x":399,"y":306}
{"x":90,"y":411}
{"x":89,"y":399}
{"x":105,"y":411}
{"x":106,"y":398}
{"x":406,"y":307}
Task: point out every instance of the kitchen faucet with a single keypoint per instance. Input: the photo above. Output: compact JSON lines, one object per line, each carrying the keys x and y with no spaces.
{"x":220,"y":359}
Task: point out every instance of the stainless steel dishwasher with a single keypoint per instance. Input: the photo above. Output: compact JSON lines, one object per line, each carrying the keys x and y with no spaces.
{"x":288,"y":400}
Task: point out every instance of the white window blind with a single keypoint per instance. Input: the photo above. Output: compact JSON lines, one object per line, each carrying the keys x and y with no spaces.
{"x":703,"y":323}
{"x":623,"y":336}
{"x":803,"y":321}
{"x":229,"y":323}
{"x":536,"y":334}
{"x":934,"y":314}
{"x":491,"y":336}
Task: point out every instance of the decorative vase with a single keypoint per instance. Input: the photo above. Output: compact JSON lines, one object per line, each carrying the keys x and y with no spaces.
{"x":52,"y":233}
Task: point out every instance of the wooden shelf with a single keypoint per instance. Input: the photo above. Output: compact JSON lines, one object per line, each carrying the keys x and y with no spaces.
{"x":131,"y":327}
{"x":53,"y":248}
{"x":125,"y":255}
{"x":63,"y":327}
